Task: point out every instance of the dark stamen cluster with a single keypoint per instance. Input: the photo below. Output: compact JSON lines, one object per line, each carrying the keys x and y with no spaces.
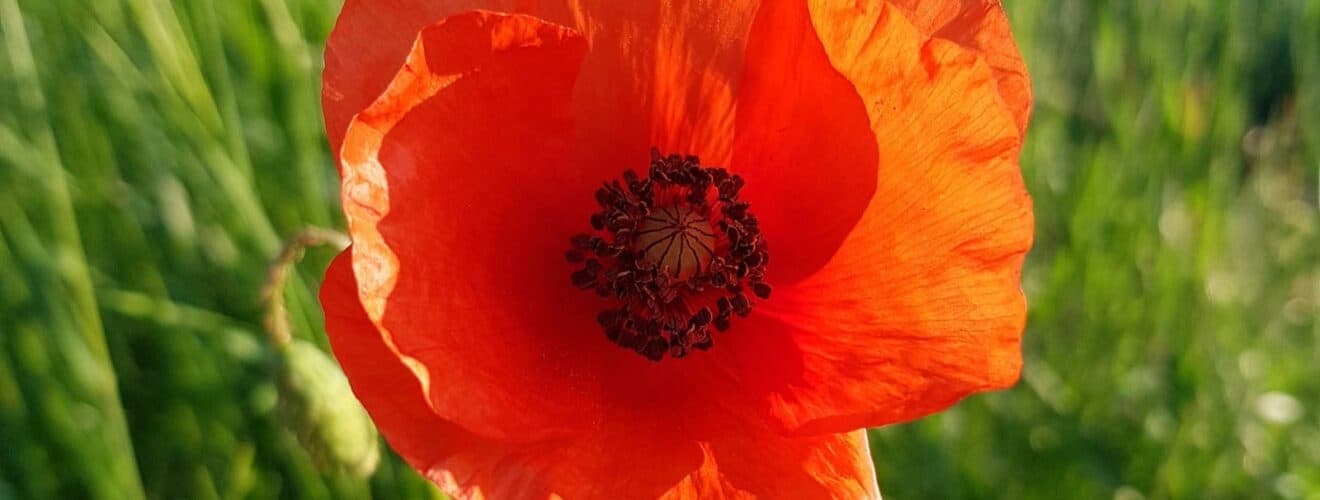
{"x":660,"y":311}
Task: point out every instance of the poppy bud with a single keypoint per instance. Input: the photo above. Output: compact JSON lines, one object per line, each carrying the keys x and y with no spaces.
{"x":317,"y":403}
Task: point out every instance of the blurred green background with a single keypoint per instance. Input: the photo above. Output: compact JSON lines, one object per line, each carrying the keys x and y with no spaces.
{"x":155,"y":153}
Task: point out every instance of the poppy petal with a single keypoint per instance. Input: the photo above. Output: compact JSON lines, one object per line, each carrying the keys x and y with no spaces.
{"x":466,"y":465}
{"x":610,"y":464}
{"x":803,"y":141}
{"x":389,"y":391}
{"x":754,"y":465}
{"x":369,"y":42}
{"x":659,"y":74}
{"x":981,"y":27}
{"x":920,"y":305}
{"x":452,"y":186}
{"x":803,"y":133}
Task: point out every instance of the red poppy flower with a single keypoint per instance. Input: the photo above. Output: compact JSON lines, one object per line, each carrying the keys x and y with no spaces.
{"x":859,"y":156}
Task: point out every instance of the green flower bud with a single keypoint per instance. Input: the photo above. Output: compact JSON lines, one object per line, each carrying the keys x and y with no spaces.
{"x":318,"y":405}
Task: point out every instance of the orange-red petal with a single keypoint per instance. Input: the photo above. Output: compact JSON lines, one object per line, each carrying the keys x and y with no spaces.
{"x":369,"y":42}
{"x":615,"y":462}
{"x":659,"y":73}
{"x":832,"y":466}
{"x":804,"y":143}
{"x":468,"y":465}
{"x":391,"y":393}
{"x":920,"y":305}
{"x":622,"y":465}
{"x":803,"y":135}
{"x":981,"y":27}
{"x":453,"y":186}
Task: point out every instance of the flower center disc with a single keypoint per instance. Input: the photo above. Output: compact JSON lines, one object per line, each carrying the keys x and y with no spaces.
{"x":676,"y":253}
{"x":676,"y":239}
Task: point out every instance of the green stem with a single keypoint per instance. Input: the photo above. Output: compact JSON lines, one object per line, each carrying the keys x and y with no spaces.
{"x":277,"y":274}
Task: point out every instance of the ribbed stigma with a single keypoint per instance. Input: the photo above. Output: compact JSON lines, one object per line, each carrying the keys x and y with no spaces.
{"x":676,"y":239}
{"x":676,"y":253}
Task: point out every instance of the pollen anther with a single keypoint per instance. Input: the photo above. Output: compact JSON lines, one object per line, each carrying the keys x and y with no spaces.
{"x":668,"y":247}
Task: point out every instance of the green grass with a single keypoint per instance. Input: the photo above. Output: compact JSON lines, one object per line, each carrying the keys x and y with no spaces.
{"x":154,"y":153}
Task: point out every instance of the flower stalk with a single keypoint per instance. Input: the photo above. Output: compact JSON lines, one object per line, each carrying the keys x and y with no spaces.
{"x":276,"y":320}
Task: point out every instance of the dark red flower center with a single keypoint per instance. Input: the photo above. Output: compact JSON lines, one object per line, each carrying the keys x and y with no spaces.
{"x":675,"y":252}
